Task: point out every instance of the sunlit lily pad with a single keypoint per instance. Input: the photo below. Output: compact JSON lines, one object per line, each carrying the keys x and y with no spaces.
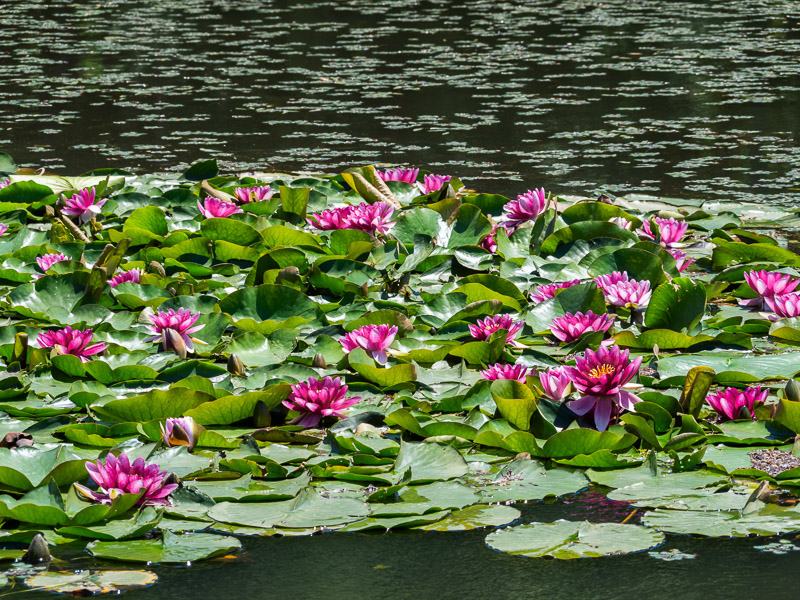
{"x":171,"y":548}
{"x":81,"y":583}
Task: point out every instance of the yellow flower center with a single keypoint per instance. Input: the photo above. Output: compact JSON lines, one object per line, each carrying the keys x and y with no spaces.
{"x":598,"y":372}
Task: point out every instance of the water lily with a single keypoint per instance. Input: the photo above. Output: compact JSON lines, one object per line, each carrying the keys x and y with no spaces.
{"x":3,"y":228}
{"x":4,"y":183}
{"x":372,"y":218}
{"x":489,"y":243}
{"x":83,"y":205}
{"x":501,"y":371}
{"x":526,"y":207}
{"x":182,"y":431}
{"x":486,"y":327}
{"x":630,"y":294}
{"x":71,"y":341}
{"x":572,"y":326}
{"x":600,"y":377}
{"x":253,"y":194}
{"x":48,"y":260}
{"x":670,"y":230}
{"x":214,"y":207}
{"x":768,"y":284}
{"x":731,"y":402}
{"x":130,"y":276}
{"x":784,"y":306}
{"x":621,"y":222}
{"x":375,"y":339}
{"x":331,"y":219}
{"x":433,"y":183}
{"x":399,"y":174}
{"x":603,"y":281}
{"x":555,"y":382}
{"x":175,"y":323}
{"x":682,"y":259}
{"x":119,"y":476}
{"x":544,"y":292}
{"x":318,"y":398}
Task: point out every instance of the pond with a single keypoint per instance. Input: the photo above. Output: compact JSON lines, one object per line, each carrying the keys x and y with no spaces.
{"x":684,"y":99}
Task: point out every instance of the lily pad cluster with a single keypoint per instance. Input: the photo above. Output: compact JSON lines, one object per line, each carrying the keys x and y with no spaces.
{"x":189,"y":360}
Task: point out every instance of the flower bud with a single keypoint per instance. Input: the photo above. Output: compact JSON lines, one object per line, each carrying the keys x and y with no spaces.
{"x":38,"y":552}
{"x":235,"y":366}
{"x":792,"y":390}
{"x":319,"y":362}
{"x":261,"y":416}
{"x":182,"y":431}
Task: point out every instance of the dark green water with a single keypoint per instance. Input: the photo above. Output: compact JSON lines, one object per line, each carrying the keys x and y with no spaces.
{"x":688,"y":99}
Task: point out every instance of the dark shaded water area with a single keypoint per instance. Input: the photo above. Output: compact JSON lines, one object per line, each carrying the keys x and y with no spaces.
{"x":685,"y":99}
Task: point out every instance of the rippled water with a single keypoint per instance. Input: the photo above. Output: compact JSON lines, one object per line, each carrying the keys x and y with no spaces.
{"x":688,"y":99}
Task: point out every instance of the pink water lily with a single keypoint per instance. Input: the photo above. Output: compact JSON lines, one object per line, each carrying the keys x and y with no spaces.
{"x":253,"y":194}
{"x":768,"y":284}
{"x":603,"y":281}
{"x":48,"y":260}
{"x":119,"y":476}
{"x":433,"y":183}
{"x":682,"y":260}
{"x":71,"y":341}
{"x":555,"y":383}
{"x":130,"y":276}
{"x":83,"y":205}
{"x":621,"y":222}
{"x":375,"y":339}
{"x":182,"y":431}
{"x":500,"y":371}
{"x":484,"y":329}
{"x":489,"y":243}
{"x":331,"y":219}
{"x":572,"y":326}
{"x":398,"y":174}
{"x":785,"y":306}
{"x":630,"y":294}
{"x":527,"y":207}
{"x":4,"y":183}
{"x":547,"y":291}
{"x":214,"y":207}
{"x":318,"y":398}
{"x":372,"y":218}
{"x":670,"y":230}
{"x":180,"y":322}
{"x":3,"y":228}
{"x":730,"y":403}
{"x":600,"y":377}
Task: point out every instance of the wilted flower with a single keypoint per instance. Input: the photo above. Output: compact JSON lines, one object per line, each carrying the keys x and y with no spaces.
{"x":316,"y":399}
{"x":630,"y":294}
{"x":71,"y":341}
{"x":181,"y":322}
{"x":3,"y":228}
{"x":682,"y":259}
{"x":670,"y":229}
{"x":375,"y":339}
{"x":500,"y":371}
{"x":433,"y":183}
{"x":399,"y":174}
{"x":622,"y":222}
{"x":83,"y":205}
{"x":486,"y":327}
{"x":48,"y":260}
{"x":768,"y":284}
{"x":488,"y":243}
{"x":600,"y":377}
{"x":728,"y":403}
{"x":118,"y":476}
{"x":132,"y":276}
{"x":544,"y":292}
{"x":526,"y":207}
{"x":784,"y":306}
{"x":555,"y":382}
{"x":603,"y":281}
{"x":182,"y":431}
{"x":572,"y":326}
{"x":253,"y":194}
{"x":214,"y":207}
{"x":372,"y":218}
{"x":331,"y":219}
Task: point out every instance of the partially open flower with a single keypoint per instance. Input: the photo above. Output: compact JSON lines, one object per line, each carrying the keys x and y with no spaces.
{"x":549,"y":290}
{"x":71,"y":341}
{"x":119,"y":476}
{"x":83,"y":205}
{"x":621,"y":222}
{"x":682,"y":259}
{"x":572,"y":326}
{"x":527,"y":207}
{"x":500,"y":371}
{"x":785,"y":306}
{"x":253,"y":194}
{"x":131,"y":276}
{"x":182,"y":431}
{"x":484,"y":329}
{"x":4,"y":183}
{"x":398,"y":174}
{"x":630,"y":294}
{"x":214,"y":207}
{"x":670,"y":231}
{"x":372,"y":218}
{"x":555,"y":383}
{"x":768,"y":284}
{"x":600,"y":377}
{"x":731,"y":403}
{"x":375,"y":339}
{"x":3,"y":228}
{"x":48,"y":260}
{"x":433,"y":183}
{"x":178,"y":323}
{"x":489,"y":243}
{"x":318,"y":398}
